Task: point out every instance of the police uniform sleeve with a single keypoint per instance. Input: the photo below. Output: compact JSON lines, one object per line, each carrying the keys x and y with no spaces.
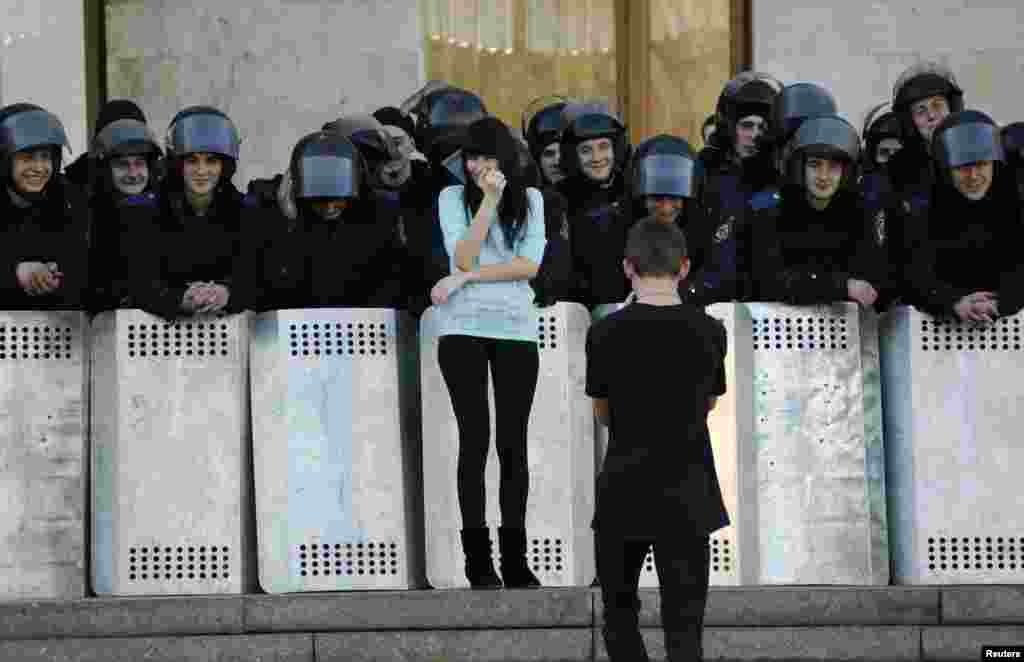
{"x":870,"y":261}
{"x":552,"y":282}
{"x":1011,"y":283}
{"x":721,"y":349}
{"x":149,"y":245}
{"x":924,"y":290}
{"x":597,"y":360}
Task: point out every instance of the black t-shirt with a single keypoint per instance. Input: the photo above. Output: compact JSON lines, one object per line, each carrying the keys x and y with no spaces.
{"x":658,"y":366}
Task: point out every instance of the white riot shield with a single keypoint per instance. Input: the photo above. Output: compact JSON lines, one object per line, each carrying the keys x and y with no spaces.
{"x":734,"y":461}
{"x":817,"y":438}
{"x":335,"y":404}
{"x":171,"y":456}
{"x":560,"y":545}
{"x":43,"y":372}
{"x":954,"y":409}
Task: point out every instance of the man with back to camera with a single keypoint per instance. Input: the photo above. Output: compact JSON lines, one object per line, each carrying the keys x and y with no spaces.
{"x":655,"y":369}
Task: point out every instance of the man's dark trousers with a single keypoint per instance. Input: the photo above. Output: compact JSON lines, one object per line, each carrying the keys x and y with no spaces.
{"x":682,"y":563}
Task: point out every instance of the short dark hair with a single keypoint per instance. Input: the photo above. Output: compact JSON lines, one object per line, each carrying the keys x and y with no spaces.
{"x":655,"y":248}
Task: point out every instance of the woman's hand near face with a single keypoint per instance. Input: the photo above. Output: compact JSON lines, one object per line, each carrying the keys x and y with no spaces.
{"x":492,"y":182}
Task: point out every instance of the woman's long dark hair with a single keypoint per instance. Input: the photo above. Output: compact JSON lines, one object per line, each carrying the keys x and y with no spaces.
{"x":490,"y":137}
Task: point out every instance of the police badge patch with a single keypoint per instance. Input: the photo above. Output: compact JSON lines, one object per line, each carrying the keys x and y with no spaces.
{"x":880,"y":227}
{"x":722,"y":233}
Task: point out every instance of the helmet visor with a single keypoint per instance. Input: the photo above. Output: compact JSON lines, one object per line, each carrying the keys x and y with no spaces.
{"x":666,"y":174}
{"x":829,"y":135}
{"x":326,"y":177}
{"x":124,"y":137}
{"x":970,"y":143}
{"x":209,"y":133}
{"x":33,"y":128}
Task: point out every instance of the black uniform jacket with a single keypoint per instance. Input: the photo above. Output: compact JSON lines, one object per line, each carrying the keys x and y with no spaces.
{"x":958,"y":247}
{"x":181,"y":247}
{"x":116,"y":238}
{"x":583,"y":195}
{"x":554,"y":277}
{"x":303,"y":261}
{"x":804,"y":256}
{"x":910,"y":169}
{"x":54,"y":229}
{"x":597,"y":241}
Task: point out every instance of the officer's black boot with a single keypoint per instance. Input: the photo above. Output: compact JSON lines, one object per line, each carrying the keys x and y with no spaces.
{"x":514,"y":569}
{"x":476,"y":545}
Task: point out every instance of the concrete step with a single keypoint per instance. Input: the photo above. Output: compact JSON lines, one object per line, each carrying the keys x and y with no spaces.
{"x":750,"y":623}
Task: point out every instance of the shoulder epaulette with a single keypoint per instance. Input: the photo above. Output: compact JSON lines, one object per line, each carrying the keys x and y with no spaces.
{"x":767,"y":199}
{"x":147,"y":199}
{"x":916,"y":203}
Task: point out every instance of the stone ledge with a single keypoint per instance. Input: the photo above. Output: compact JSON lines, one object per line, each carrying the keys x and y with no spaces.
{"x":238,"y":648}
{"x":964,"y":643}
{"x":107,"y":617}
{"x":983,"y":605}
{"x":772,"y":606}
{"x":871,"y":644}
{"x":576,"y":645}
{"x":420,"y":610}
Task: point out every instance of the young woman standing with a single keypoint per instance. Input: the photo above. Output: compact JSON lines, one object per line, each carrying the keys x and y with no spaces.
{"x":494,"y":234}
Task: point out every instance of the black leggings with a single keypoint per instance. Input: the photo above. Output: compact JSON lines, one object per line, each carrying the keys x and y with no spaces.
{"x":514,"y":365}
{"x":682,"y":563}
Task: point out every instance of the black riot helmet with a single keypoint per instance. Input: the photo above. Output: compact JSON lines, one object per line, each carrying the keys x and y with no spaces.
{"x":923,"y":80}
{"x":749,"y":93}
{"x":966,"y":137}
{"x":880,"y":123}
{"x":543,"y":127}
{"x":326,"y":165}
{"x":1013,"y":144}
{"x":796,"y":103}
{"x":370,"y":138}
{"x":25,"y":127}
{"x":204,"y":129}
{"x":828,"y":136}
{"x":665,"y":166}
{"x":587,"y":121}
{"x":124,"y":137}
{"x":443,"y":110}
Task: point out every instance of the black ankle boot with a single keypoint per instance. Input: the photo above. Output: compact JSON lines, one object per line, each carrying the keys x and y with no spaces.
{"x":476,"y":545}
{"x":514,"y":569}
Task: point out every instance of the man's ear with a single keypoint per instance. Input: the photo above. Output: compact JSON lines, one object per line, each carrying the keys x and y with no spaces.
{"x":684,"y":268}
{"x":627,"y":268}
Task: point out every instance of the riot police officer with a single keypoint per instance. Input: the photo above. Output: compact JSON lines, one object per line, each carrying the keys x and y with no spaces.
{"x":45,"y":227}
{"x":665,"y":185}
{"x":125,"y":158}
{"x":966,"y":240}
{"x":924,"y":95}
{"x":187,"y":266}
{"x":882,"y":137}
{"x":323,"y":246}
{"x":817,"y":246}
{"x":738,"y":169}
{"x":594,"y":152}
{"x":542,"y":133}
{"x":82,"y":172}
{"x":738,"y":147}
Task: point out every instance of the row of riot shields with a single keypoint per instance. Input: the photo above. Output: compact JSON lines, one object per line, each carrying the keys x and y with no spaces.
{"x":312,"y":450}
